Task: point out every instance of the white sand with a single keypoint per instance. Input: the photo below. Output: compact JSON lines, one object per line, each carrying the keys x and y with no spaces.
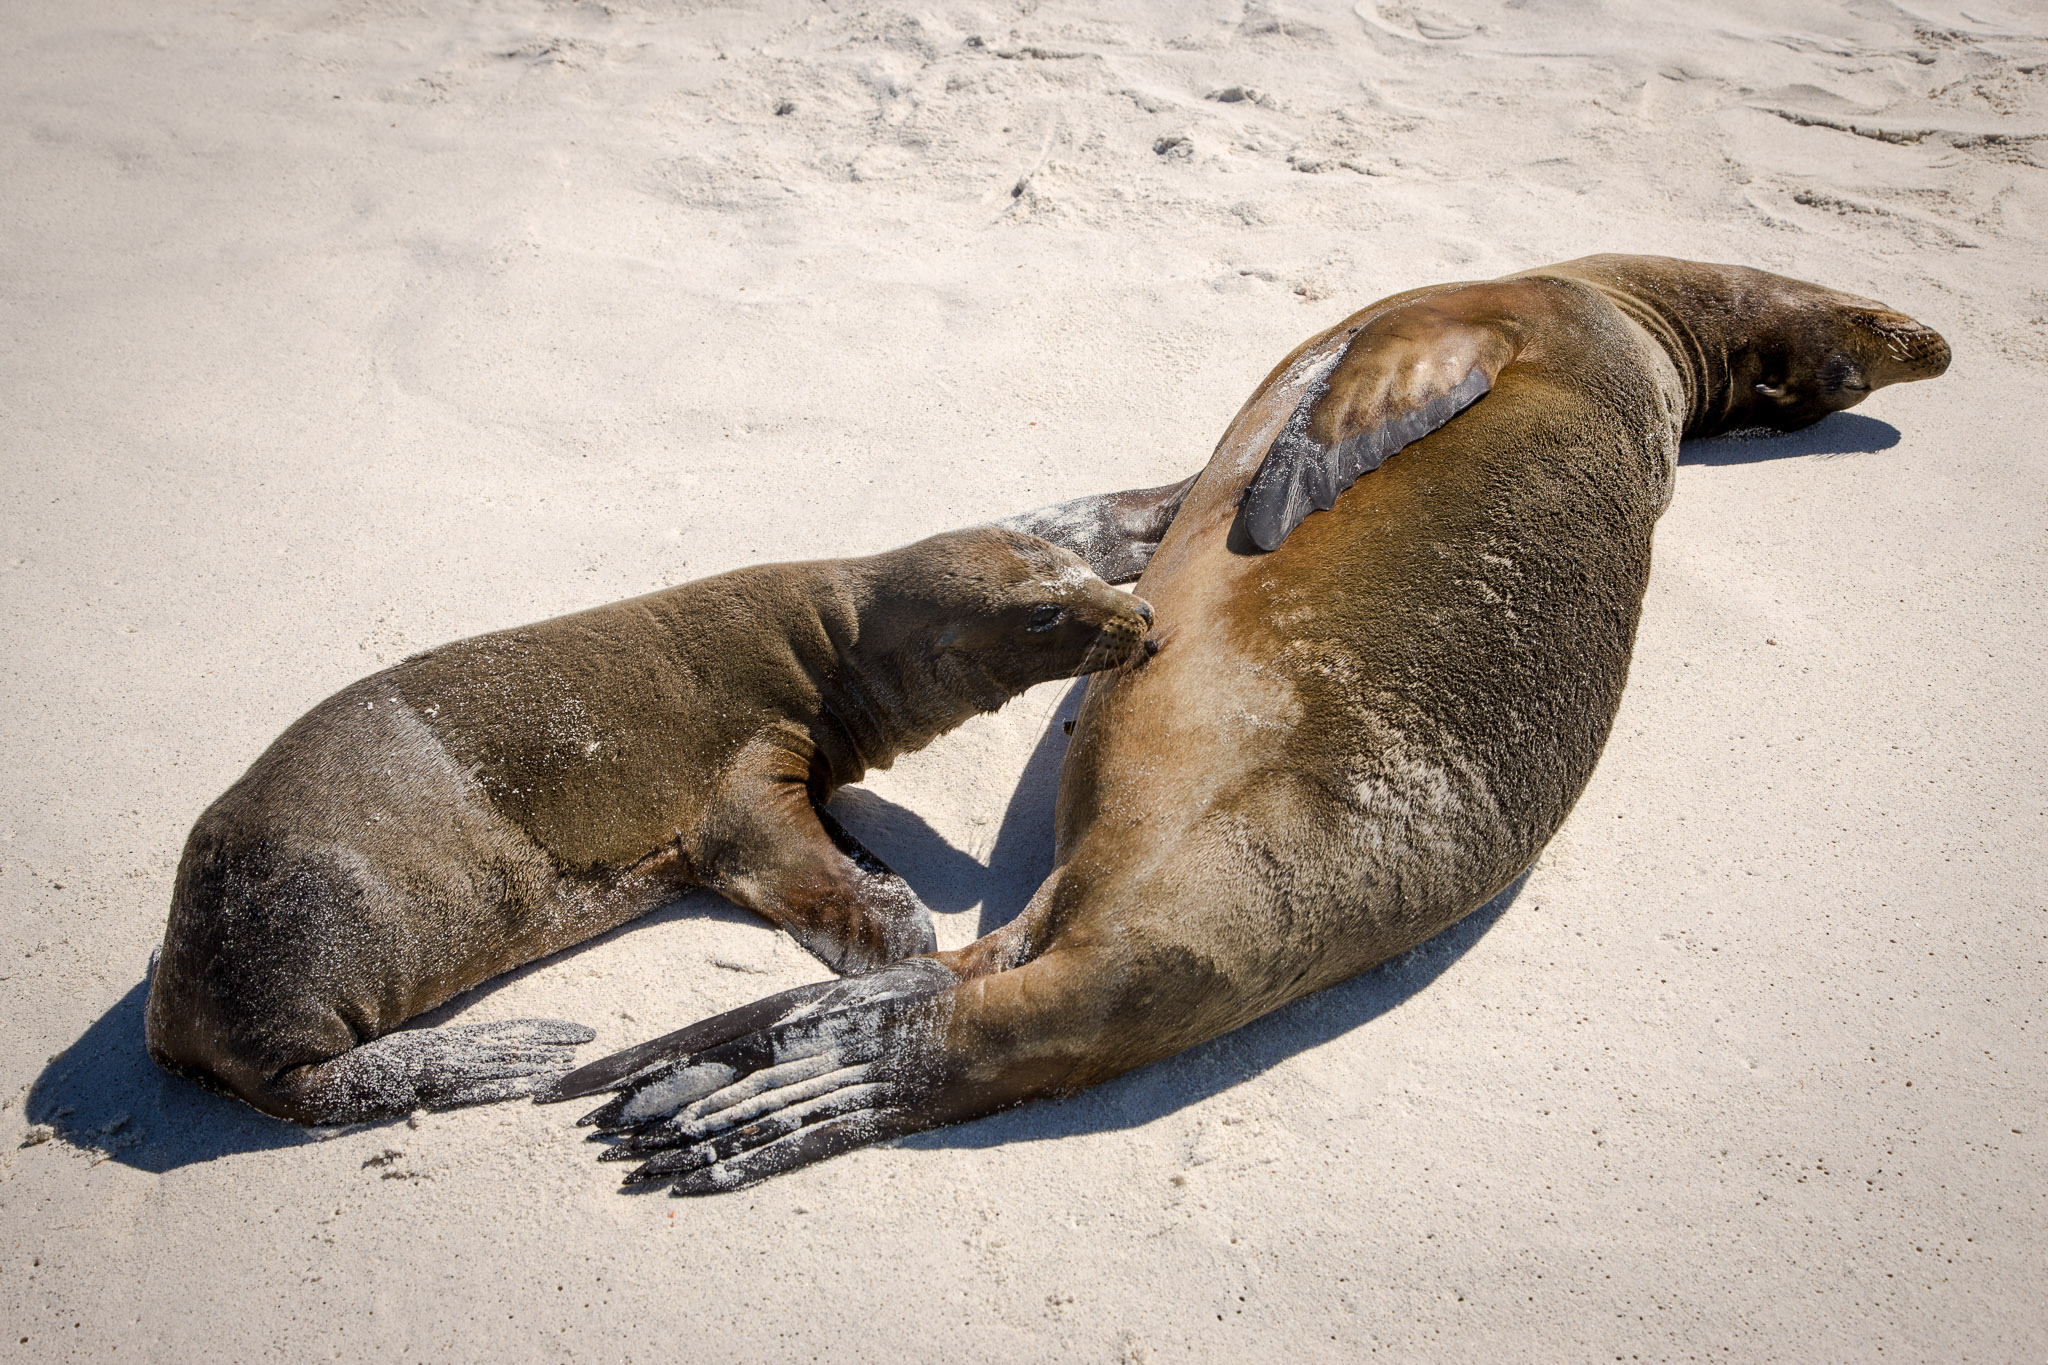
{"x":329,"y":332}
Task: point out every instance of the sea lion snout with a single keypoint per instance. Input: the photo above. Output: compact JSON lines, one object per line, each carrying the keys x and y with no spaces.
{"x":1120,"y":639}
{"x":1106,"y":624}
{"x":1012,"y":610}
{"x":1899,"y":350}
{"x":1087,"y":624}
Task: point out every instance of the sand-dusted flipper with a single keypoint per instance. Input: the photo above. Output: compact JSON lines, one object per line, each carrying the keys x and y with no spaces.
{"x":836,"y":1076}
{"x":433,"y":1068}
{"x":1115,"y":532}
{"x":1405,"y":373}
{"x":917,"y":976}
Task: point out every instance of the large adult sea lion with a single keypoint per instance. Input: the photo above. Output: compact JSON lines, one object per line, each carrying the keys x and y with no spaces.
{"x":494,"y":800}
{"x":1344,"y":745}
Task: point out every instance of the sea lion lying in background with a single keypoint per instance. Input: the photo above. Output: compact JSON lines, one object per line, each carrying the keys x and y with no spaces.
{"x":1344,"y":745}
{"x":495,"y":800}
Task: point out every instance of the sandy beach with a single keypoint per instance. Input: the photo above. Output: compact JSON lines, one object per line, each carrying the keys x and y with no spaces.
{"x":334,"y":329}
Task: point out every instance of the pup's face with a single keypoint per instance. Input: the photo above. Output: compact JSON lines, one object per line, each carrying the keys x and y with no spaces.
{"x":1016,"y":611}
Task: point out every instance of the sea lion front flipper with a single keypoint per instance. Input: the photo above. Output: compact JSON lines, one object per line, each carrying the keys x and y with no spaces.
{"x":1405,"y":373}
{"x":1115,"y":532}
{"x":785,"y":1096}
{"x":796,"y":867}
{"x":621,"y":1070}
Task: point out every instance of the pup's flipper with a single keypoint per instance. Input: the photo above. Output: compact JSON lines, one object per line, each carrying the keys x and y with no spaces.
{"x":432,"y":1068}
{"x":1115,"y":532}
{"x":1406,"y":373}
{"x":791,"y":863}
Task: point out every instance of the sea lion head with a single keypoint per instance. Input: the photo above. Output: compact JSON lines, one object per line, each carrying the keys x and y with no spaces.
{"x":992,"y":612}
{"x":1817,"y":350}
{"x":1763,"y":350}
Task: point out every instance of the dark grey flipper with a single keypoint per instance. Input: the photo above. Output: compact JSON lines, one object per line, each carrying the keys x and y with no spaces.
{"x":1302,"y":475}
{"x":631,"y":1068}
{"x":1403,"y":374}
{"x":842,"y":1069}
{"x":440,"y":1068}
{"x":1115,"y":532}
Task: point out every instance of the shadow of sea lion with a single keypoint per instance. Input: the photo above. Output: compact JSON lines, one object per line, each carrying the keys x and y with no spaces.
{"x":950,"y":880}
{"x":103,"y":1094}
{"x":1841,"y":433}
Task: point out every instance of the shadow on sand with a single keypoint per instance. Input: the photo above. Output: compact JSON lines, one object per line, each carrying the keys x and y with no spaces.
{"x":1842,"y":433}
{"x":950,"y":880}
{"x":104,"y":1095}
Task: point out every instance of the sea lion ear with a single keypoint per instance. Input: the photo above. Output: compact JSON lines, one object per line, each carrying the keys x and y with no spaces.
{"x":1405,"y":374}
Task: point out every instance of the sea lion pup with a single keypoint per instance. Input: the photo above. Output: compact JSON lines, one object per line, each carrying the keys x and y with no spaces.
{"x":495,"y":800}
{"x":1344,"y":745}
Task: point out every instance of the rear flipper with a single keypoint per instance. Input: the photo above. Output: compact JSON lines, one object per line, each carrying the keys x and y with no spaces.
{"x":436,"y":1068}
{"x":1115,"y":532}
{"x":856,"y":1062}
